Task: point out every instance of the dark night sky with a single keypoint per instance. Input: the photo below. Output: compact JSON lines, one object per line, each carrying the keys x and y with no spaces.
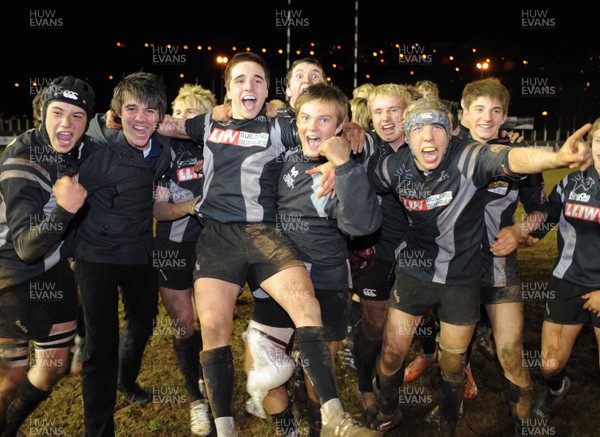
{"x":84,"y":44}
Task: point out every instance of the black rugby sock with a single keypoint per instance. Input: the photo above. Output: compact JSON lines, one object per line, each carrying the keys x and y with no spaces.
{"x":555,"y":382}
{"x":450,"y":397}
{"x":389,"y":386}
{"x":187,"y":352}
{"x":317,"y":362}
{"x":219,"y":375}
{"x":26,"y":400}
{"x":365,"y":358}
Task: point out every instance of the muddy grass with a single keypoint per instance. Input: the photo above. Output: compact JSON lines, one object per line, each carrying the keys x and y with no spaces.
{"x":487,"y":415}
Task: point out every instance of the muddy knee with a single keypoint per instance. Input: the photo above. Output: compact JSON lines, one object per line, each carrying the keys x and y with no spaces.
{"x":511,"y":357}
{"x":452,"y":363}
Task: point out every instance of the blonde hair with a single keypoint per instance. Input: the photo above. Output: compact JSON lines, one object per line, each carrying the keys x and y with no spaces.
{"x":427,"y":86}
{"x":359,"y":107}
{"x":37,"y":103}
{"x":595,"y":127}
{"x":278,"y":104}
{"x":391,"y":90}
{"x":364,"y":88}
{"x":195,"y":96}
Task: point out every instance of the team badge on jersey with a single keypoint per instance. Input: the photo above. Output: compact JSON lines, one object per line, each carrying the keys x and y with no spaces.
{"x":290,"y":177}
{"x":583,"y":184}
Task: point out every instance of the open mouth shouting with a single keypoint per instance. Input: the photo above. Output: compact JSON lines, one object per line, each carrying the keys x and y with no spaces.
{"x":311,"y":145}
{"x":249,"y":103}
{"x":429,"y":154}
{"x":65,"y":140}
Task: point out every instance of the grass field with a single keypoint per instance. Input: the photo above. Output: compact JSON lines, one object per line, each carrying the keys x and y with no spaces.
{"x":487,"y":415}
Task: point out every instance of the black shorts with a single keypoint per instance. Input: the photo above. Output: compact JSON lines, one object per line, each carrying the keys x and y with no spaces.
{"x":376,"y":283}
{"x":455,"y":304}
{"x":564,"y":304}
{"x":496,"y":295}
{"x":334,"y":313}
{"x":240,"y":252}
{"x":28,"y":310}
{"x":174,"y":263}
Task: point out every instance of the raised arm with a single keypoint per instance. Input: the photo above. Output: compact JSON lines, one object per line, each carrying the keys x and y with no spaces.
{"x":574,"y":153}
{"x":35,"y":234}
{"x":356,"y":209}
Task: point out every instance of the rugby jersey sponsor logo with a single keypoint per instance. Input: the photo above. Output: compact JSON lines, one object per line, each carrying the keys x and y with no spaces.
{"x":239,"y":138}
{"x":579,"y":197}
{"x":187,"y":174}
{"x":583,"y":212}
{"x":431,"y":202}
